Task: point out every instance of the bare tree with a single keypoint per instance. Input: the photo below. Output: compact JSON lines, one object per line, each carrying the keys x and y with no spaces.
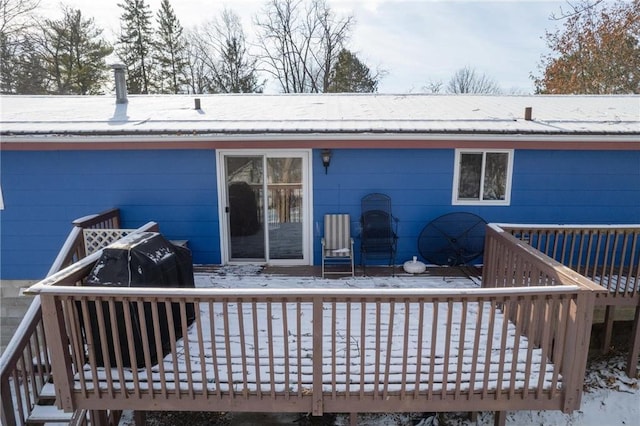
{"x":196,"y":69}
{"x":15,"y":15}
{"x":300,"y":43}
{"x":433,"y":86}
{"x":334,"y":34}
{"x":466,"y":80}
{"x":219,"y":60}
{"x":574,"y":9}
{"x":15,"y":20}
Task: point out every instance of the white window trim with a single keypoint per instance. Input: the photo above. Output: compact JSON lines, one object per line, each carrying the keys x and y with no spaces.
{"x":456,"y":178}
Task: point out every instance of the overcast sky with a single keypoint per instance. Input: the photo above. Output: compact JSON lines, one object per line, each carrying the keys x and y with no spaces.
{"x":414,"y":41}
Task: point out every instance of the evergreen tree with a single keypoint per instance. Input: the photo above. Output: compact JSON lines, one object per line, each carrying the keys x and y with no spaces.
{"x":74,"y":52}
{"x":170,"y":51}
{"x":237,"y":74}
{"x":31,"y":73}
{"x":349,"y":74}
{"x":8,"y":64}
{"x":135,"y":45}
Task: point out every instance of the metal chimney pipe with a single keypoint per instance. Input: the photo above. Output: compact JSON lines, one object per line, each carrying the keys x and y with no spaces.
{"x":121,"y":83}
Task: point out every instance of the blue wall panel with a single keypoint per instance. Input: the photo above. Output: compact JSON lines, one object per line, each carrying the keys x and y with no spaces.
{"x":548,"y":187}
{"x":45,"y":191}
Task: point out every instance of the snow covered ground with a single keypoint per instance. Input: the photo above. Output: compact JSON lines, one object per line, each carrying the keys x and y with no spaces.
{"x":610,"y":397}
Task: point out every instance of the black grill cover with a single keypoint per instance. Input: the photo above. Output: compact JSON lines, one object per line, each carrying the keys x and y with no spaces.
{"x":139,"y":260}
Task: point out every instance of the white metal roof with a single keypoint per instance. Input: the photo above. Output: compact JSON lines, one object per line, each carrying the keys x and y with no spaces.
{"x":261,"y":114}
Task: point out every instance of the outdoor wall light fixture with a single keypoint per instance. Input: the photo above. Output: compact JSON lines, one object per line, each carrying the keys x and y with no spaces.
{"x":326,"y":159}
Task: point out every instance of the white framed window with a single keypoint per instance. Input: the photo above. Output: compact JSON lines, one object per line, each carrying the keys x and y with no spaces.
{"x":482,"y":177}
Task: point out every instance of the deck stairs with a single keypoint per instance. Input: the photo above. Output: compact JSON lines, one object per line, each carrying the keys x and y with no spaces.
{"x":45,"y":411}
{"x":13,"y":307}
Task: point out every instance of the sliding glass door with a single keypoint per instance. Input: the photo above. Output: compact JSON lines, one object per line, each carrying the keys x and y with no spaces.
{"x":265,"y":207}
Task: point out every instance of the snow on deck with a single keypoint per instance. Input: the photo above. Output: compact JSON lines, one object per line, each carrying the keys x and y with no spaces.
{"x":371,"y":356}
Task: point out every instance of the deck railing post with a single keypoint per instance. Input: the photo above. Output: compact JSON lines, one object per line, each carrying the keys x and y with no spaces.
{"x":579,"y":334}
{"x":7,"y":416}
{"x":634,"y":350}
{"x":61,"y":363}
{"x":489,"y":272}
{"x":317,"y":409}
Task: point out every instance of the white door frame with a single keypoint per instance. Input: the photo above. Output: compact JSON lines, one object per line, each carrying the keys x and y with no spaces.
{"x":307,"y":203}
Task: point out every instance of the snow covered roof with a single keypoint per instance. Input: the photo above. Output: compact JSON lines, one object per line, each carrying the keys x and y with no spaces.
{"x":319,"y":114}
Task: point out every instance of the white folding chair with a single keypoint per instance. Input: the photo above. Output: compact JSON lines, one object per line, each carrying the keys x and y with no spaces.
{"x":337,"y":244}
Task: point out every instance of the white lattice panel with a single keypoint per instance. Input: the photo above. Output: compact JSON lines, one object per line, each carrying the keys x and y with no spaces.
{"x":95,"y":239}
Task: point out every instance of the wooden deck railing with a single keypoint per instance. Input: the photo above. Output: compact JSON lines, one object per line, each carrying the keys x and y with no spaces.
{"x":608,"y":255}
{"x":511,"y":262}
{"x":320,"y":350}
{"x":284,"y":202}
{"x":520,"y":345}
{"x":25,"y":368}
{"x":25,"y":365}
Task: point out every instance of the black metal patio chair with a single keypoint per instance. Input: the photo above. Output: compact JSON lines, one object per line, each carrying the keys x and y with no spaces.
{"x":379,"y":235}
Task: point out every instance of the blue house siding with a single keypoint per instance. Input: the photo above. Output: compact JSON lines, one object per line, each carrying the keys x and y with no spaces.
{"x":548,"y":186}
{"x":44,"y":191}
{"x":576,"y":186}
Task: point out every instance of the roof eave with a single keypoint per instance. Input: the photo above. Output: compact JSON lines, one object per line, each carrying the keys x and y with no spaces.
{"x":311,"y":139}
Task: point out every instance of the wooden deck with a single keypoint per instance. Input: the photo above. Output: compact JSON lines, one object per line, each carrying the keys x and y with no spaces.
{"x":519,"y":343}
{"x":325,"y":349}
